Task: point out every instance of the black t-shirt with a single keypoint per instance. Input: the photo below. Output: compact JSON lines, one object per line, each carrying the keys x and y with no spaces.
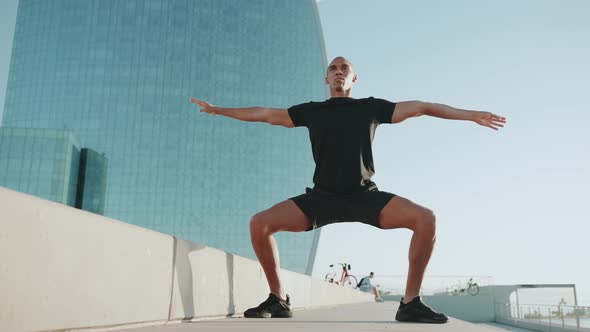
{"x":341,"y":132}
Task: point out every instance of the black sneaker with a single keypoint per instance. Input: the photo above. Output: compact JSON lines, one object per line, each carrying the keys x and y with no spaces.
{"x":274,"y":307}
{"x":418,"y":312}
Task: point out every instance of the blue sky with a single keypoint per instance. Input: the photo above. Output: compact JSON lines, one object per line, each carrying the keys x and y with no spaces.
{"x":510,"y":204}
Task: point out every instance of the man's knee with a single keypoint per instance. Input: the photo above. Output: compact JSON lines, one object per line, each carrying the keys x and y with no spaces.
{"x":426,"y":220}
{"x":259,"y":225}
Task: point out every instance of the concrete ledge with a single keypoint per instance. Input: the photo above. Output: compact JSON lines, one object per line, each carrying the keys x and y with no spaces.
{"x":67,"y":268}
{"x":64,"y":268}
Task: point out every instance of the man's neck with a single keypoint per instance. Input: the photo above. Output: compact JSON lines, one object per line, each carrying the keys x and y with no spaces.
{"x":341,"y":94}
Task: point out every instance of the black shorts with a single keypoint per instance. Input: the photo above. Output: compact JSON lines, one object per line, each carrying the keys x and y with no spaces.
{"x":323,"y":208}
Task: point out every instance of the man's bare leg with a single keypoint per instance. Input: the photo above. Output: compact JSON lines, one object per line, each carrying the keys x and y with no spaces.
{"x":402,"y":213}
{"x":377,"y":295}
{"x":284,"y":216}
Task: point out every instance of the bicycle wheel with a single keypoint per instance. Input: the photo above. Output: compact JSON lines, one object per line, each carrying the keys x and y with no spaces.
{"x":455,"y":291}
{"x":473,"y":289}
{"x":350,"y":282}
{"x":329,"y":277}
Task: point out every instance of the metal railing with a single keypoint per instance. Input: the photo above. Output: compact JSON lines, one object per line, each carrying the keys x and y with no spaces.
{"x":433,"y":284}
{"x":546,"y":317}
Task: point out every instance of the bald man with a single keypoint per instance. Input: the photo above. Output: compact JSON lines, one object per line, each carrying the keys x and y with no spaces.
{"x":341,"y":131}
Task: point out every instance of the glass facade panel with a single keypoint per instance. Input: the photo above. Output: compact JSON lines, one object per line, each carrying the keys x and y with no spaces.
{"x":118,"y":74}
{"x":92,"y":181}
{"x":42,"y":162}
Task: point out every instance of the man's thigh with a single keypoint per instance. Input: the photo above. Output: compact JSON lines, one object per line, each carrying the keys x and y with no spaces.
{"x":284,"y":216}
{"x":366,"y":289}
{"x":400,"y":212}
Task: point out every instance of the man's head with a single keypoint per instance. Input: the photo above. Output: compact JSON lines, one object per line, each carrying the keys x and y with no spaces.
{"x":371,"y":275}
{"x":340,"y":75}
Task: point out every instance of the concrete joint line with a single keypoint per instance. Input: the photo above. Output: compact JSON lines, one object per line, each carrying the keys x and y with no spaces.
{"x":173,"y":276}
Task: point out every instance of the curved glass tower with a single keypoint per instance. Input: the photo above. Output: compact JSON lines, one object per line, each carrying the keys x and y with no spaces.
{"x":118,"y":74}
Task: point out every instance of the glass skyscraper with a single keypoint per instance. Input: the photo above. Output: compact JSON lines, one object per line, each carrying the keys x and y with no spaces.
{"x":118,"y":74}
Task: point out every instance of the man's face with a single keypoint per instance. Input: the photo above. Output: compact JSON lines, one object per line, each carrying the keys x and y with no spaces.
{"x":340,"y":75}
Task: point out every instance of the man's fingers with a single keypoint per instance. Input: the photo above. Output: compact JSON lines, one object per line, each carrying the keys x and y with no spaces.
{"x":198,"y":101}
{"x":489,"y":124}
{"x":491,"y":120}
{"x":498,"y":118}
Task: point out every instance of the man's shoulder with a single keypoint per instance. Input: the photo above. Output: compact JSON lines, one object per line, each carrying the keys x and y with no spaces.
{"x":337,"y":103}
{"x":310,"y":103}
{"x":340,"y":99}
{"x":365,"y":100}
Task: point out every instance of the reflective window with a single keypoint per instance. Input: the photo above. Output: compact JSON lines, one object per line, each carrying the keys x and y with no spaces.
{"x":118,"y":74}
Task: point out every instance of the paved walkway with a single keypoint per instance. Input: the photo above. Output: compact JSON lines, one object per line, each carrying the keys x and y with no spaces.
{"x":345,"y":318}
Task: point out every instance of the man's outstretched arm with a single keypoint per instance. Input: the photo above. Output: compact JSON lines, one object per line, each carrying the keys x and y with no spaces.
{"x":409,"y":109}
{"x":274,"y":116}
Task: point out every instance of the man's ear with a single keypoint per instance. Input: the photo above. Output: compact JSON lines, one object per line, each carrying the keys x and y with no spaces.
{"x":326,"y":80}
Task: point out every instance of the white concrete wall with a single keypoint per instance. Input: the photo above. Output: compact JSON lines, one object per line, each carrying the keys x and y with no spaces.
{"x":63,"y":268}
{"x":210,"y":282}
{"x":475,"y":309}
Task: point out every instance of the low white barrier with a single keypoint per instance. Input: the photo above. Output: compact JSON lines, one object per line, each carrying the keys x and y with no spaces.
{"x":64,"y":268}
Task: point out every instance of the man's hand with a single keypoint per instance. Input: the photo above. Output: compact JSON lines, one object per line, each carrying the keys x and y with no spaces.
{"x":488,"y":119}
{"x":205,"y":106}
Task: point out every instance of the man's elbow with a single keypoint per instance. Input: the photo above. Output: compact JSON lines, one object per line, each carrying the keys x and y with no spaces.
{"x":421,"y":108}
{"x":426,"y":108}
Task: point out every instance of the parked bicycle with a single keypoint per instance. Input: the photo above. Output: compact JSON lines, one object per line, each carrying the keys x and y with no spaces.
{"x":472,"y":288}
{"x":346,"y":279}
